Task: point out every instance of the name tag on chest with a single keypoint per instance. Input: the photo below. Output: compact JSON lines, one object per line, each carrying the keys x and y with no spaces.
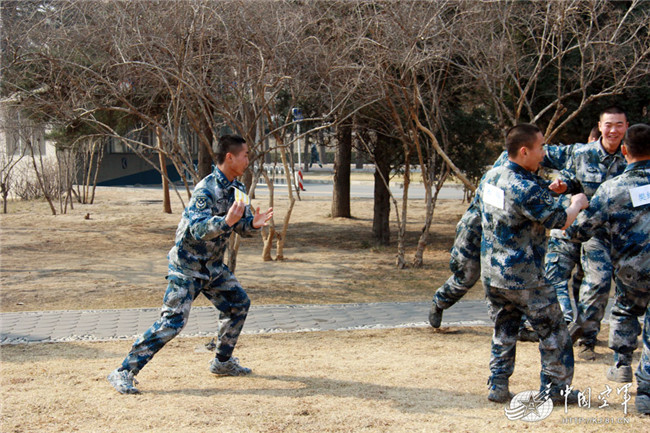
{"x":640,"y":195}
{"x":494,"y":196}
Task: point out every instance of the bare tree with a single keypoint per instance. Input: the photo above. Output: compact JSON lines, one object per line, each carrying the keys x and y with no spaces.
{"x":11,"y":155}
{"x":410,"y":64}
{"x":545,"y":62}
{"x":200,"y":68}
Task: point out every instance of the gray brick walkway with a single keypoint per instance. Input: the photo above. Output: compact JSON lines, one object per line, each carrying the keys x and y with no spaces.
{"x":127,"y":324}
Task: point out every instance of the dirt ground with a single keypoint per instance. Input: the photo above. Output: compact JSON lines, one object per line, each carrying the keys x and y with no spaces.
{"x":403,"y":380}
{"x":117,"y":257}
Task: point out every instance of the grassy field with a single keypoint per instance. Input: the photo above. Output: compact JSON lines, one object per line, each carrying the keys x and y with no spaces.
{"x":112,"y":254}
{"x":402,"y":380}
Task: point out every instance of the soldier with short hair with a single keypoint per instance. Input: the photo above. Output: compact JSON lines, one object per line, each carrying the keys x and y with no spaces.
{"x":465,"y":254}
{"x":621,"y":208}
{"x":217,"y":209}
{"x":515,"y":213}
{"x":588,"y":167}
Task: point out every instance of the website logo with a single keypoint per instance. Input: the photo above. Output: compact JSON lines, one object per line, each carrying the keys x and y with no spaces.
{"x":530,"y":406}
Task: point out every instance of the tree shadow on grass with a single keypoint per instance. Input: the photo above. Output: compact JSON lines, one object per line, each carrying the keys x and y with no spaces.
{"x":35,"y":352}
{"x":357,"y":235}
{"x":408,"y":399}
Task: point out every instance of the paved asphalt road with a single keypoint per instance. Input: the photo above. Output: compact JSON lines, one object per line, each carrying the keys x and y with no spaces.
{"x":366,"y":190}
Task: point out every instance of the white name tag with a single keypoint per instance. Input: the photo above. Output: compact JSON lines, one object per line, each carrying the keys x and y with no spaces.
{"x":640,"y":195}
{"x":494,"y":196}
{"x":242,"y":196}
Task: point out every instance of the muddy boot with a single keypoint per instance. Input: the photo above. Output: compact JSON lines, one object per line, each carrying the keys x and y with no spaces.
{"x":587,"y":353}
{"x":498,"y":390}
{"x":435,"y":315}
{"x":621,"y":373}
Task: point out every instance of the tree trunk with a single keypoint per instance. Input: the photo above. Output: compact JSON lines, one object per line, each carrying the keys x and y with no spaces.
{"x":100,"y":155}
{"x":205,"y":158}
{"x":381,"y":213}
{"x":5,"y":194}
{"x":268,"y":233}
{"x":431,"y":198}
{"x":342,"y":159}
{"x":233,"y":250}
{"x":401,"y":231}
{"x":167,"y":204}
{"x":39,"y":176}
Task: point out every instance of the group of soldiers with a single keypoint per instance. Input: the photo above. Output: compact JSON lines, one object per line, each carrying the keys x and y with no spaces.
{"x":501,"y":239}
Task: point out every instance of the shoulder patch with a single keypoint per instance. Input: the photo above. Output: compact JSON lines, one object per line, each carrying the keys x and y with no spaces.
{"x":201,"y":203}
{"x":548,"y":199}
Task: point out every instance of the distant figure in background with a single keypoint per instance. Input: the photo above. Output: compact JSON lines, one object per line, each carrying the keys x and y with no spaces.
{"x":315,"y":157}
{"x":594,"y":134}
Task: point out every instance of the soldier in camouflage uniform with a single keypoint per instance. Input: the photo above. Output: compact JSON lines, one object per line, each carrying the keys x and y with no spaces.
{"x":464,"y":262}
{"x":588,"y":167}
{"x":196,"y":266}
{"x":563,"y":254}
{"x":465,"y":254}
{"x":621,"y":206}
{"x":515,"y":213}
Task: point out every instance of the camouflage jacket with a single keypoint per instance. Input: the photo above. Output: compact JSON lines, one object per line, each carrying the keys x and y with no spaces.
{"x":467,"y":243}
{"x":557,"y":156}
{"x":515,"y":213}
{"x":589,"y":165}
{"x":202,"y":234}
{"x":622,"y":206}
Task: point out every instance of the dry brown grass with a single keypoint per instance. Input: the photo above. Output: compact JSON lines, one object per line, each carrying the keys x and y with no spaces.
{"x":366,"y":381}
{"x":117,"y":258}
{"x":354,"y":381}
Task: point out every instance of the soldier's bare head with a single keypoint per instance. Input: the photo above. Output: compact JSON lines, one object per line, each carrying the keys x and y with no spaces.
{"x":637,"y":141}
{"x":522,"y":135}
{"x":232,"y":156}
{"x":228,"y":144}
{"x":612,"y":125}
{"x":612,"y":110}
{"x":525,"y":146}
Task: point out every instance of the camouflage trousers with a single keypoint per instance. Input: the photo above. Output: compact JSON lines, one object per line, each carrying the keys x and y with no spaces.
{"x":465,"y":273}
{"x":465,"y":265}
{"x":224,"y":292}
{"x":629,"y":305}
{"x":562,"y":256}
{"x":506,"y":308}
{"x":595,"y":288}
{"x":643,"y":371}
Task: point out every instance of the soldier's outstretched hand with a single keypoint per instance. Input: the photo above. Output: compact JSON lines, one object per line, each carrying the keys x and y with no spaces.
{"x":262,"y":219}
